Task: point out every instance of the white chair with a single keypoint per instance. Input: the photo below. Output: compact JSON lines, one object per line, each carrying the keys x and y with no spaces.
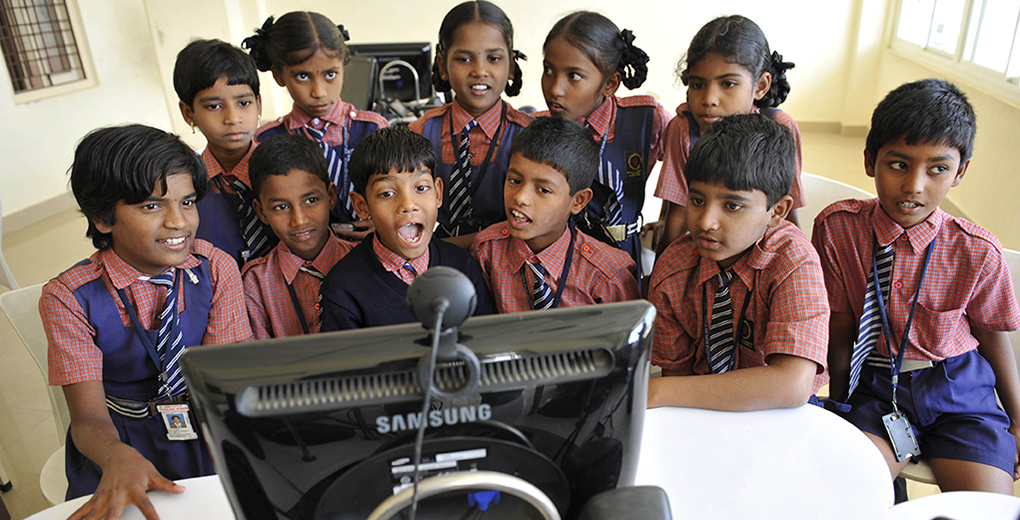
{"x":6,"y":278}
{"x":22,"y":309}
{"x":921,"y":472}
{"x":820,"y":192}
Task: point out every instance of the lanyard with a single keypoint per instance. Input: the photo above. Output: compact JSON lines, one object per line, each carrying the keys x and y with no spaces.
{"x":887,"y":332}
{"x":500,"y":130}
{"x":740,"y":320}
{"x":297,"y":308}
{"x":150,"y":347}
{"x":563,"y":274}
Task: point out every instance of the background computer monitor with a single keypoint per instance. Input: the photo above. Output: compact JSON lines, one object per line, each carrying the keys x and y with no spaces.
{"x":360,"y":82}
{"x":398,"y":82}
{"x":323,"y":426}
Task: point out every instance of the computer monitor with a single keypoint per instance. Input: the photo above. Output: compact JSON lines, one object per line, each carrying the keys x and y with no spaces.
{"x":324,"y":426}
{"x":398,"y":81}
{"x":360,"y":82}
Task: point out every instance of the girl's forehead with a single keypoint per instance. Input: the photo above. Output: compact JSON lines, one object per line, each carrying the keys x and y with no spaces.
{"x":322,"y":59}
{"x":478,"y":34}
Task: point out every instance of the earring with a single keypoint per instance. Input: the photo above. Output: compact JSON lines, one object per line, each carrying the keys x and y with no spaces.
{"x":192,"y":128}
{"x":258,"y":122}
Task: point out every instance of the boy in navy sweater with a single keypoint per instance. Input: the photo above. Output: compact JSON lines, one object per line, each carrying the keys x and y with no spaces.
{"x":393,"y":171}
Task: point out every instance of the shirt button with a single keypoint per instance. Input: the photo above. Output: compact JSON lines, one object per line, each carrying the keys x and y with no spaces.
{"x":315,"y":121}
{"x":586,"y":249}
{"x":855,"y":205}
{"x":898,"y":285}
{"x":506,"y":231}
{"x":316,"y":306}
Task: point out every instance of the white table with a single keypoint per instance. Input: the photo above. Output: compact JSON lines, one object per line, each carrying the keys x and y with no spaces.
{"x":790,"y":464}
{"x":958,"y":505}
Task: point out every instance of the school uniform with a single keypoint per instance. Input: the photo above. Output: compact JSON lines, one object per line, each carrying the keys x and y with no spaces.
{"x":490,"y":156}
{"x":778,"y":304}
{"x":589,"y":271}
{"x":681,"y":134}
{"x":337,"y":133}
{"x":281,"y":290}
{"x":950,"y":405}
{"x":630,"y":133}
{"x":225,"y":205}
{"x":368,"y":287}
{"x":92,"y":337}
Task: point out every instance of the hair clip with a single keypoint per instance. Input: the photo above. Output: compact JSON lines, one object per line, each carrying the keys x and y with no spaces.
{"x":628,"y":37}
{"x":343,"y":32}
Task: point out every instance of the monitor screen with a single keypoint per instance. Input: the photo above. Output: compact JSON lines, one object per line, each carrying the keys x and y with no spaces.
{"x":360,"y":82}
{"x":324,"y":426}
{"x":398,"y":81}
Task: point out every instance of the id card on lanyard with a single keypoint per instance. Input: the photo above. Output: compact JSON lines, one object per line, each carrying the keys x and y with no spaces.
{"x":901,"y":434}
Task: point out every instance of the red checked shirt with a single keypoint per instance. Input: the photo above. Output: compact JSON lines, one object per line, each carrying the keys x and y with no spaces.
{"x":602,"y":121}
{"x":598,"y":273}
{"x":240,"y":172}
{"x":342,"y":111}
{"x":480,"y":136}
{"x":394,"y":263}
{"x":672,"y":184}
{"x":787,"y":314}
{"x":73,"y":354}
{"x":265,"y":279}
{"x":967,"y":282}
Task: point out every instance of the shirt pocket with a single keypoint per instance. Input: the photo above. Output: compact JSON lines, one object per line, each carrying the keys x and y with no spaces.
{"x":934,"y":330}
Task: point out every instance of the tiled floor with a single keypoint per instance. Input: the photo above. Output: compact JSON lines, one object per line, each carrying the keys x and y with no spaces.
{"x":37,"y":253}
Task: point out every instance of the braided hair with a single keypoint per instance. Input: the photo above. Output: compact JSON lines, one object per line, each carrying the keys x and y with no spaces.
{"x":742,"y":42}
{"x":610,"y":49}
{"x":476,"y":11}
{"x":294,"y":38}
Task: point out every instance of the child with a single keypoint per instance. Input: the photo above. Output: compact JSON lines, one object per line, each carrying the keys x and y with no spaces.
{"x":955,"y":351}
{"x":472,"y":135}
{"x":767,"y":321}
{"x":118,"y":321}
{"x":727,"y":70}
{"x":586,"y":59}
{"x":293,"y":195}
{"x":534,"y":260}
{"x":395,"y":186}
{"x":218,"y":87}
{"x":307,"y":54}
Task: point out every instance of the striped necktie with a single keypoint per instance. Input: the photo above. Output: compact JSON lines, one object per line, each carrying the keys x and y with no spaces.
{"x":317,"y":274}
{"x":460,"y":178}
{"x":720,"y":338}
{"x":541,"y":293}
{"x":409,"y":267}
{"x":337,"y":165}
{"x":254,"y":232}
{"x":871,"y":319}
{"x":168,"y":340}
{"x":612,"y":211}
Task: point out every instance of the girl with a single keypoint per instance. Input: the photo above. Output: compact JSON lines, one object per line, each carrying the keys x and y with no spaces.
{"x":307,"y":54}
{"x":728,"y":70}
{"x":586,"y":59}
{"x":472,"y":134}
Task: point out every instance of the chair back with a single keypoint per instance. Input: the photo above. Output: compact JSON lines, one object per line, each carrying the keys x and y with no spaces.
{"x":22,"y":309}
{"x":1013,"y":261}
{"x":820,"y":192}
{"x":6,"y":278}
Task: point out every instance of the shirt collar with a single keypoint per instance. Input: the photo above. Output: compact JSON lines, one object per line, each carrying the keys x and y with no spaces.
{"x":123,"y":274}
{"x":239,"y":172}
{"x":755,"y":259}
{"x":297,"y":118}
{"x":600,"y":120}
{"x":393,"y":262}
{"x":290,"y":264}
{"x":552,"y":257}
{"x":488,"y":122}
{"x":919,"y":235}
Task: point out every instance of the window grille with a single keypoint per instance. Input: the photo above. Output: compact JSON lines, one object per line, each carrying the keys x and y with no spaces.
{"x":38,"y":44}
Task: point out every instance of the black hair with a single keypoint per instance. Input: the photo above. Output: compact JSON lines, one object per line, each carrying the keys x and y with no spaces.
{"x":565,"y":146}
{"x":387,"y":149}
{"x":928,"y":111}
{"x":294,"y":38}
{"x":746,"y":152}
{"x":203,"y":62}
{"x":126,"y":163}
{"x":740,"y":41}
{"x":281,"y":154}
{"x":476,"y":11}
{"x":604,"y":44}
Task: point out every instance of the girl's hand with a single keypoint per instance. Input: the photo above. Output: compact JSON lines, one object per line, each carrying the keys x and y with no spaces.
{"x":126,"y":478}
{"x":362,"y":229}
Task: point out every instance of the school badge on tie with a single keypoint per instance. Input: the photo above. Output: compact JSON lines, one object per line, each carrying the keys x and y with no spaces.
{"x":635,"y":165}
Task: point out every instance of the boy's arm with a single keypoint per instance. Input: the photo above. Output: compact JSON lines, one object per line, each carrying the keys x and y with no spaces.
{"x":786,"y":382}
{"x":842,"y":330}
{"x":996,"y":347}
{"x":127,"y":475}
{"x":228,"y":316}
{"x":258,"y":317}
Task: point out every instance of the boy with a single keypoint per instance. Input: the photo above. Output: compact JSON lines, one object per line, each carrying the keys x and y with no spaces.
{"x":534,"y":260}
{"x":393,"y":171}
{"x":740,"y":299}
{"x":218,"y":87}
{"x":118,"y":321}
{"x":954,"y":354}
{"x":293,"y":195}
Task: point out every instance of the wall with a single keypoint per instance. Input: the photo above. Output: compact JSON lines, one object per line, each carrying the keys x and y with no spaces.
{"x":38,"y":139}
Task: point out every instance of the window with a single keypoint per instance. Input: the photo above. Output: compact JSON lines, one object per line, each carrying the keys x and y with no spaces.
{"x":975,"y":39}
{"x":40,"y":48}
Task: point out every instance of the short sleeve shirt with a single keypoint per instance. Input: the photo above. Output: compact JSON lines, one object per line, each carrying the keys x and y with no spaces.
{"x":479,"y":138}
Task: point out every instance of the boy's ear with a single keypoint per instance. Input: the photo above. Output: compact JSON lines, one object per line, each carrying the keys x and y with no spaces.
{"x":259,"y":210}
{"x":439,"y":192}
{"x":331,"y":194}
{"x":780,"y":209}
{"x":579,"y":200}
{"x":763,"y":86}
{"x":441,"y":64}
{"x":187,"y":113}
{"x":102,"y":227}
{"x":258,"y":104}
{"x":278,"y":76}
{"x":360,"y":205}
{"x":960,"y":173}
{"x":612,"y":85}
{"x":869,"y":164}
